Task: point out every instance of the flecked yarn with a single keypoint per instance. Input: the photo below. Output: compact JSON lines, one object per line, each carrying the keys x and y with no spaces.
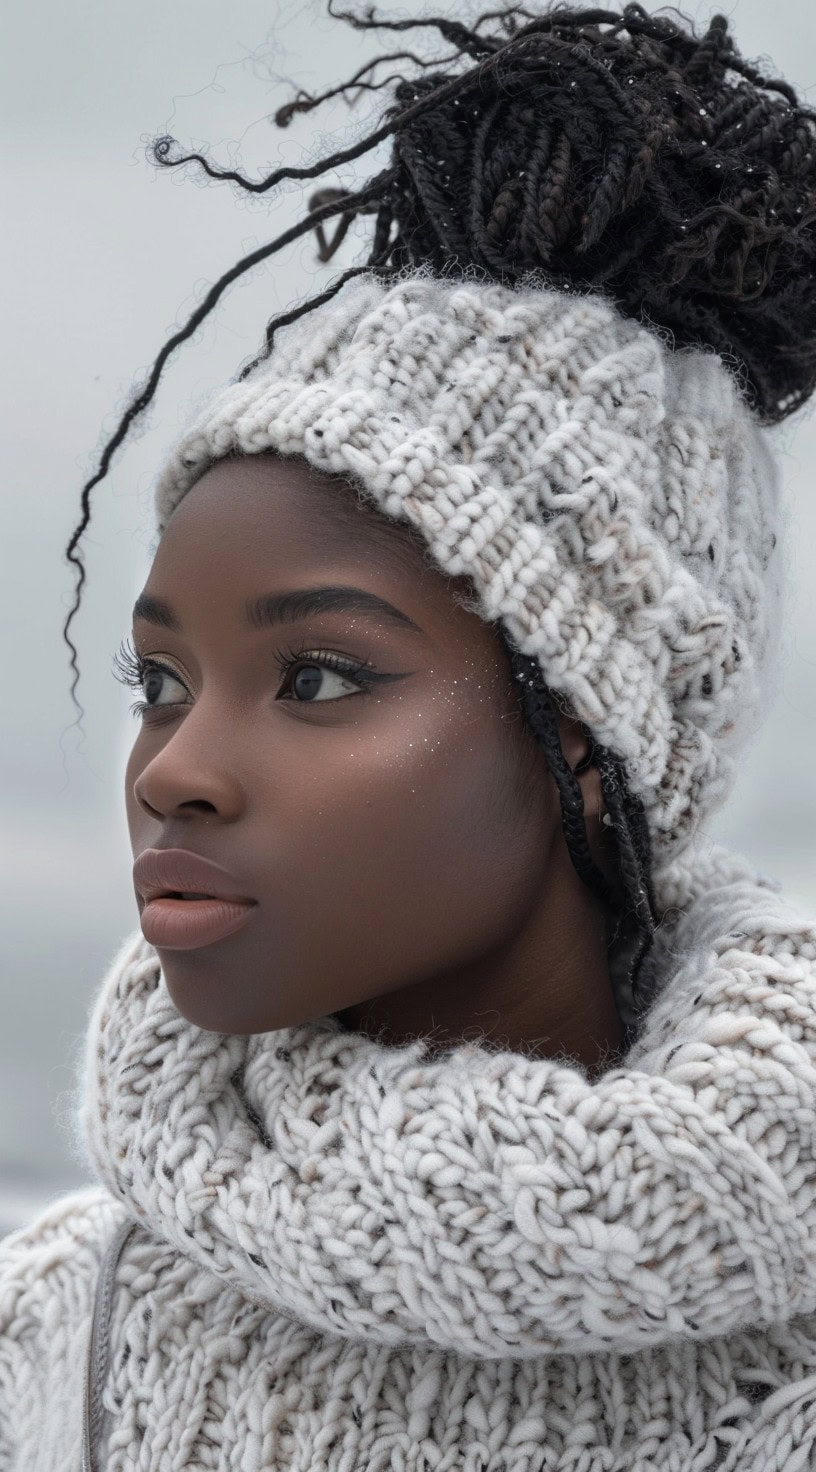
{"x":349,"y":1256}
{"x":613,"y":501}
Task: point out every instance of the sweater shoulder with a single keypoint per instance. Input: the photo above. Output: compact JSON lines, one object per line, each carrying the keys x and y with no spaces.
{"x":53,"y":1255}
{"x":49,"y":1271}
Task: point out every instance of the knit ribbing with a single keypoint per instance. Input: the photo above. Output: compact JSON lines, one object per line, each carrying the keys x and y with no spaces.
{"x":613,"y":502}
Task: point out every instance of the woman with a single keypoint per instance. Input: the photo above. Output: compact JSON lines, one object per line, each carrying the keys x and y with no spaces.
{"x":453,"y":1105}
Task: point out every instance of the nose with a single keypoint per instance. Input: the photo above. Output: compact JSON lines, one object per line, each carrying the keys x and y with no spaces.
{"x":192,"y":773}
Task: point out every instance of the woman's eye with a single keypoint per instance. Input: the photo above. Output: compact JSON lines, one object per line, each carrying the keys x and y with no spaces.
{"x":153,"y":683}
{"x":327,"y":678}
{"x":145,"y":675}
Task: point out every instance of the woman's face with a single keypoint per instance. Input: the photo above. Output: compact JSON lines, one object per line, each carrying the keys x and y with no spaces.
{"x":393,"y":825}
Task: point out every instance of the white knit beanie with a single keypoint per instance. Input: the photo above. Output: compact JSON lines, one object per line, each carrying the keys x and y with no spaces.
{"x":614,"y":501}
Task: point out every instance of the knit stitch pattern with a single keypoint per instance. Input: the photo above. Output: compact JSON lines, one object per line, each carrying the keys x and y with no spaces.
{"x":614,"y":502}
{"x":352,"y":1256}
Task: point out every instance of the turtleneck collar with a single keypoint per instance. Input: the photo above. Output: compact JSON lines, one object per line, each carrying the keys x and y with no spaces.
{"x":483,"y":1201}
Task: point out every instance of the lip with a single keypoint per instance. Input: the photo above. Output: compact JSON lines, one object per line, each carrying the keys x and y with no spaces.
{"x":175,"y":924}
{"x":167,"y":872}
{"x":184,"y":925}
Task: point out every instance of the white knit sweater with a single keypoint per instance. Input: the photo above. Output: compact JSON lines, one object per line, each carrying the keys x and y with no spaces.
{"x":352,"y":1258}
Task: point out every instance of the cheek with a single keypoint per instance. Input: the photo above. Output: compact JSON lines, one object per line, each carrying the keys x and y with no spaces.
{"x":406,"y":849}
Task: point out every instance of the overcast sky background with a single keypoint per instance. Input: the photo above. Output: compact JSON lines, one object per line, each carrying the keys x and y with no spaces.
{"x":102,"y":256}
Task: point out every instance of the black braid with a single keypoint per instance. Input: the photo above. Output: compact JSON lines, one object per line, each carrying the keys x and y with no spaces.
{"x":629,"y":824}
{"x":540,"y":716}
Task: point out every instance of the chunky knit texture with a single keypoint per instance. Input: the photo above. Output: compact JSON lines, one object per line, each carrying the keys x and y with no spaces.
{"x":613,"y":501}
{"x":350,"y":1256}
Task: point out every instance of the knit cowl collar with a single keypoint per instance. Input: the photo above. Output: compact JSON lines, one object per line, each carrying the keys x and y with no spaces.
{"x":483,"y":1201}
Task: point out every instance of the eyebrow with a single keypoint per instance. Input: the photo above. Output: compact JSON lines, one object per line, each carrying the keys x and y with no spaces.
{"x":287,"y":608}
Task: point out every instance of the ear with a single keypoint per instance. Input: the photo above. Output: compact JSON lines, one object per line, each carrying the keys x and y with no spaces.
{"x":577,"y":748}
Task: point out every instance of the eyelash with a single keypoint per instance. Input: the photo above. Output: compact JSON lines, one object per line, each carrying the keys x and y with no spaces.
{"x":130,"y":669}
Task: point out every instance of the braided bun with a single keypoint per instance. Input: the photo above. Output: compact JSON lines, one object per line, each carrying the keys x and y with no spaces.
{"x":623,"y":153}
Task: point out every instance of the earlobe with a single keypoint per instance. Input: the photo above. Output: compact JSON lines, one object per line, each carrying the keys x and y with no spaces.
{"x":578,"y":747}
{"x":576,"y":743}
{"x":586,"y":761}
{"x":592,"y":793}
{"x":591,"y":789}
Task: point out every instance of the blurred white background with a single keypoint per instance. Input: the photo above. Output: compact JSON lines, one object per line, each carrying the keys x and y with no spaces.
{"x":101,"y":257}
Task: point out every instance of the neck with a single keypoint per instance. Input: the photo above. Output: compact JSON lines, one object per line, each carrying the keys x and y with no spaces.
{"x":547,"y":992}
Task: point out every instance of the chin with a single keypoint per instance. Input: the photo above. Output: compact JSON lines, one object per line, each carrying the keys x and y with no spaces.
{"x":209,"y":1001}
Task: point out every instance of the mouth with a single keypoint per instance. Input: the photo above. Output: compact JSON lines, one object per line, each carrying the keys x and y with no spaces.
{"x":175,"y":894}
{"x":186,"y":900}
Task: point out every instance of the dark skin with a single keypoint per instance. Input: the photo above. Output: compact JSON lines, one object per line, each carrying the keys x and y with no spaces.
{"x":404,"y":842}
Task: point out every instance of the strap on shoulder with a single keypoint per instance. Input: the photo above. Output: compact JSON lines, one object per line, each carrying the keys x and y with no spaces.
{"x":96,"y":1365}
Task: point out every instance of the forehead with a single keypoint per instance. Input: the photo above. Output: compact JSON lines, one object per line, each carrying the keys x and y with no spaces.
{"x":284,"y":500}
{"x":260,"y":524}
